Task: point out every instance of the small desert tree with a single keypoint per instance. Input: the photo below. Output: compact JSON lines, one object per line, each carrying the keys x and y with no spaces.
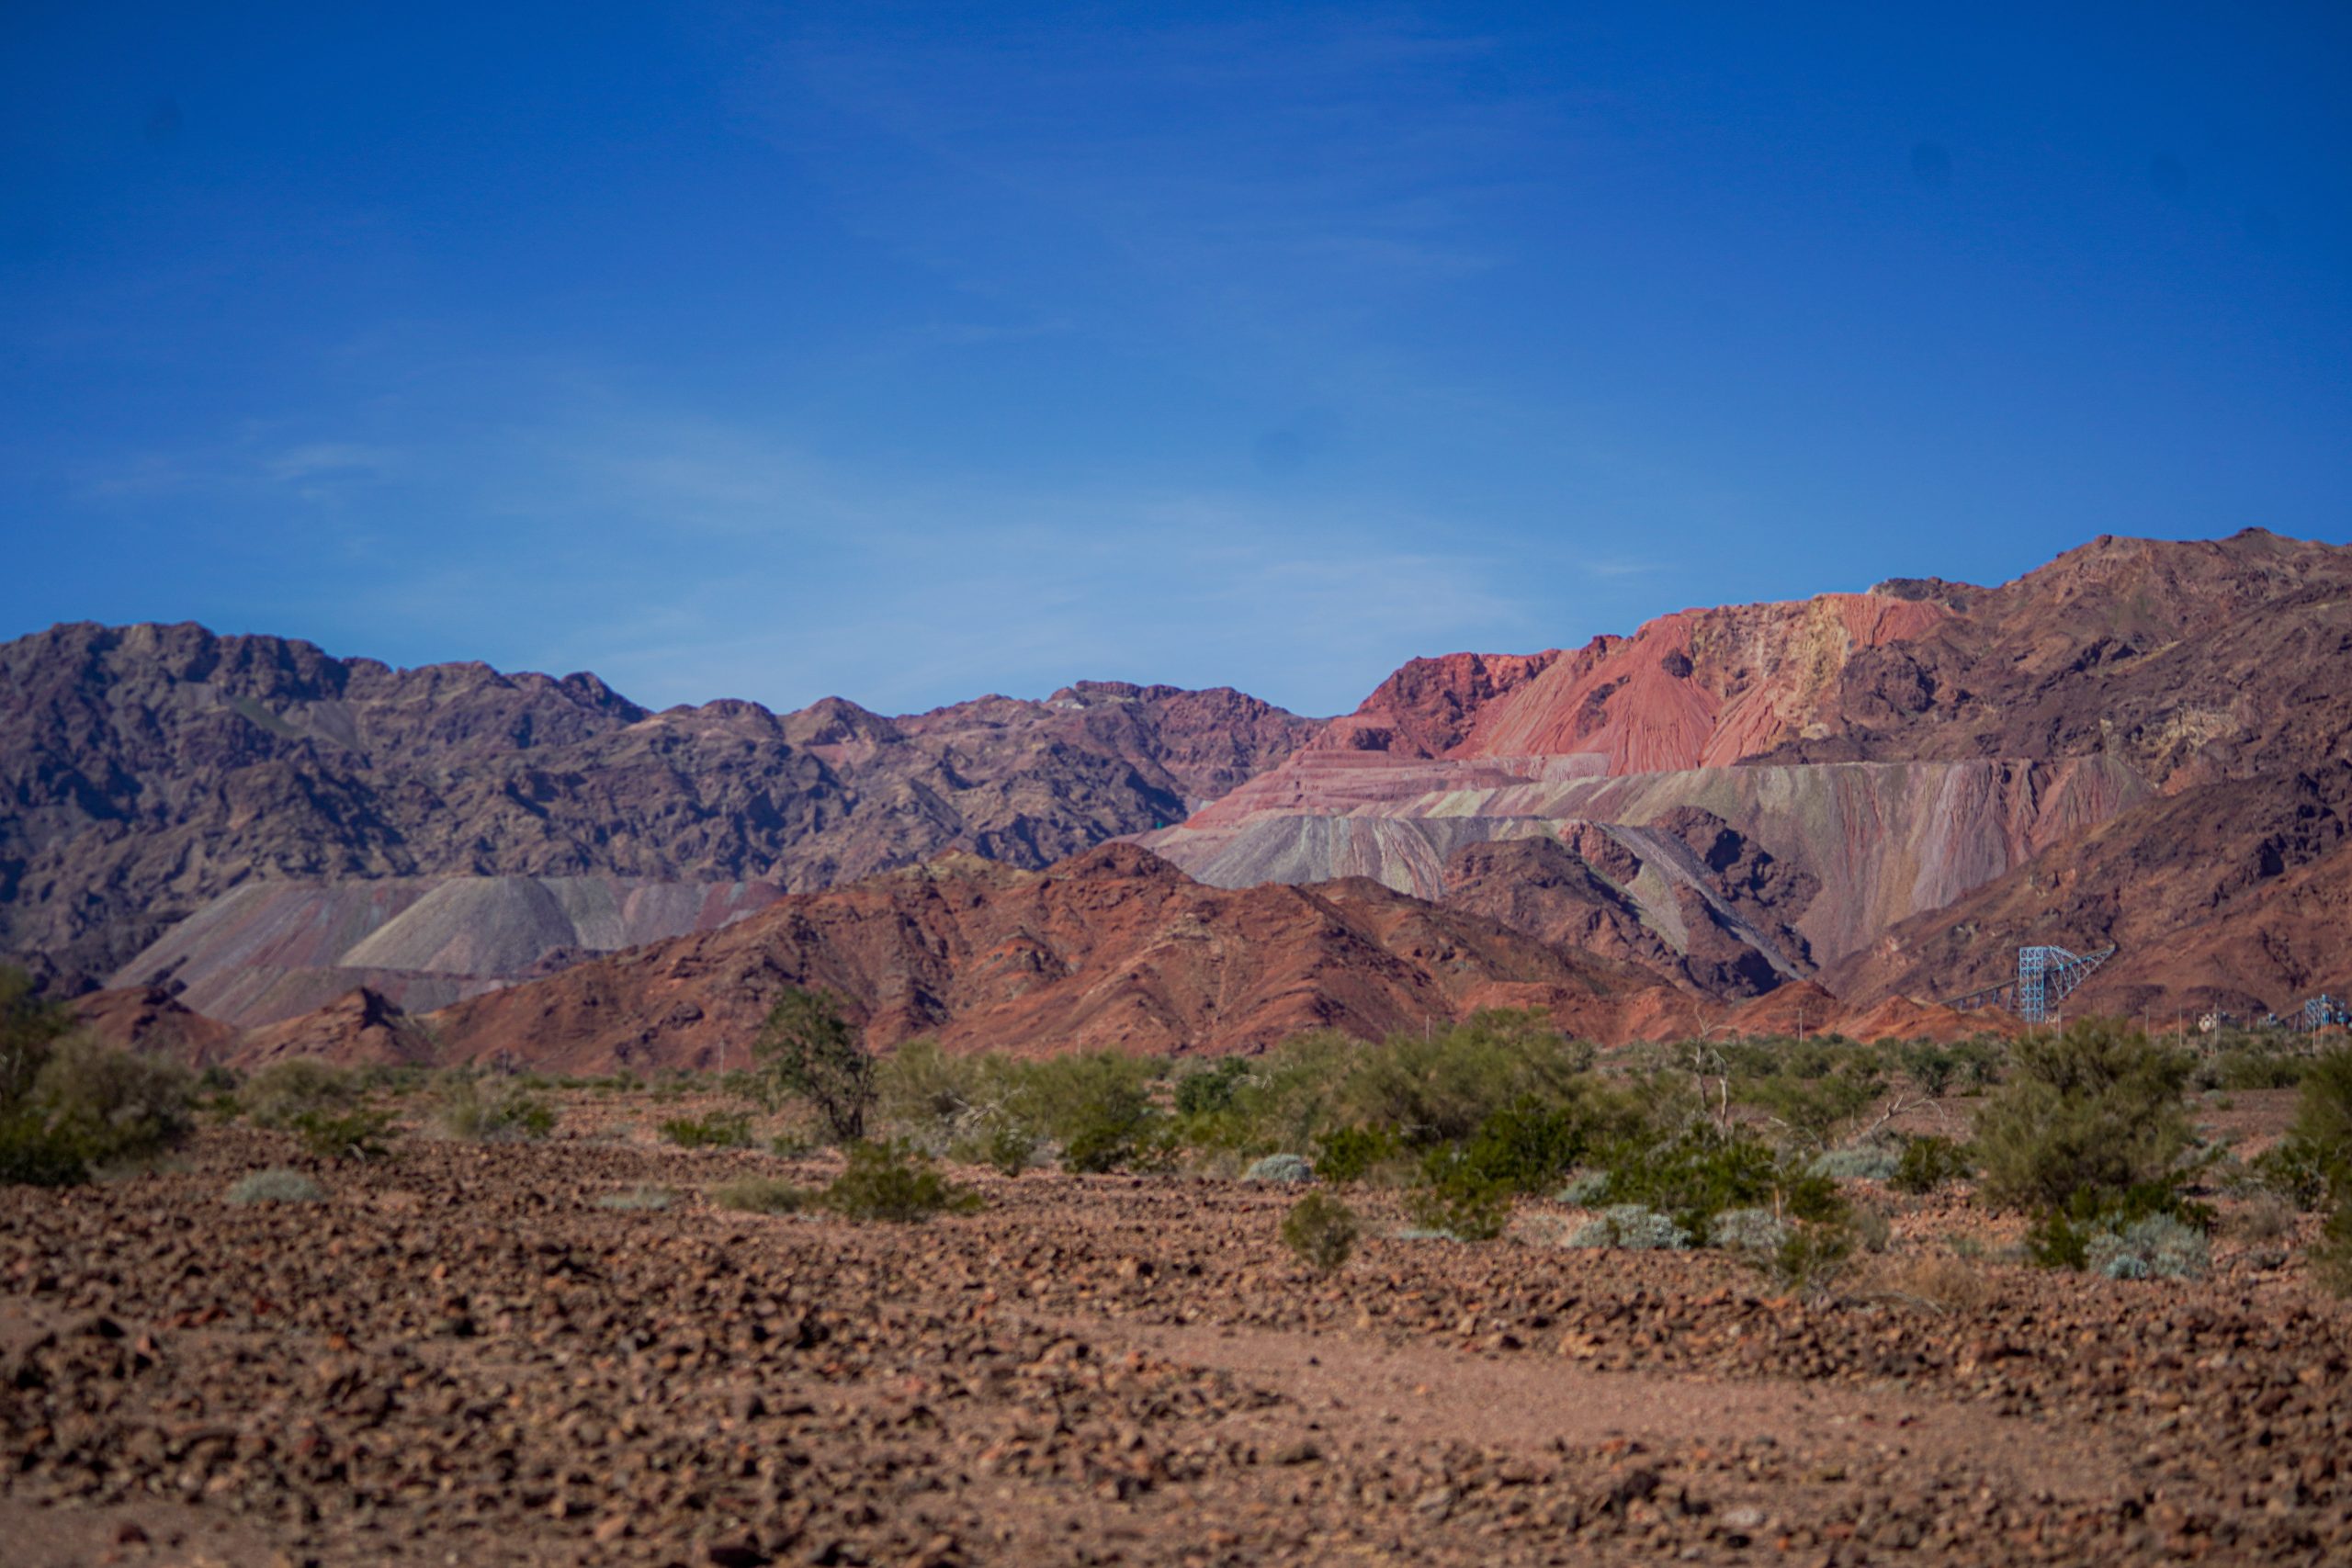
{"x":807,"y":1051}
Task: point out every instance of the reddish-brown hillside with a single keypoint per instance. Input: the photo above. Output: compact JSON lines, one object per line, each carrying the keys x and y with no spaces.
{"x":1116,"y":948}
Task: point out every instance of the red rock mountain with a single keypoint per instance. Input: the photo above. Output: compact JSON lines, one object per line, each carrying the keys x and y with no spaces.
{"x":2148,"y":727}
{"x":1882,"y":793}
{"x":148,"y":768}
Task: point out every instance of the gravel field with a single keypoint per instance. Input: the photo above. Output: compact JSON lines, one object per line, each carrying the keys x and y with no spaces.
{"x":458,"y":1357}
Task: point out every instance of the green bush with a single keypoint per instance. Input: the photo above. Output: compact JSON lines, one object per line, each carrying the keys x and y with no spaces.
{"x":761,"y":1195}
{"x":275,"y":1186}
{"x":1322,"y":1231}
{"x":1811,"y":1259}
{"x":925,"y":1093}
{"x":360,"y":1134}
{"x":1443,"y":1086}
{"x":1008,"y":1149}
{"x":115,"y":1105}
{"x":1813,"y":1111}
{"x":2096,"y":1111}
{"x":894,"y":1182}
{"x":716,"y":1130}
{"x":1927,"y":1163}
{"x":1457,"y":1198}
{"x":807,"y":1051}
{"x":2062,"y":1238}
{"x":30,"y":1027}
{"x":1702,"y":1172}
{"x":35,"y":1153}
{"x":1633,"y":1227}
{"x":1211,"y":1090}
{"x":1347,"y":1155}
{"x":275,"y":1095}
{"x":2254,"y":1067}
{"x":1930,"y":1067}
{"x":1529,"y":1146}
{"x":1288,"y":1170}
{"x":500,"y":1112}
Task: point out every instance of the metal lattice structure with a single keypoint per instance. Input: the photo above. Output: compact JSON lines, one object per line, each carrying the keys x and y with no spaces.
{"x":2046,"y":977}
{"x":2323,"y":1010}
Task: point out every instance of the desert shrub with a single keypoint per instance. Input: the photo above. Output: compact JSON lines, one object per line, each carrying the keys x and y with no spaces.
{"x":273,"y":1096}
{"x":275,"y":1186}
{"x":638,"y":1200}
{"x":216,"y":1078}
{"x":894,"y":1182}
{"x":1287,"y":1170}
{"x":1348,"y":1155}
{"x":924,"y":1093}
{"x":720,"y":1130}
{"x":1444,"y":1086}
{"x":1946,"y":1284}
{"x":1702,"y":1172}
{"x":2062,"y":1238}
{"x":501,"y":1112}
{"x":1529,"y":1146}
{"x":807,"y":1051}
{"x":361,"y":1134}
{"x":1634,"y":1226}
{"x":2156,"y":1247}
{"x":2313,"y":1164}
{"x":2255,"y":1066}
{"x":2266,"y":1217}
{"x":1811,"y":1259}
{"x":1866,"y":1162}
{"x":1322,"y":1231}
{"x":1932,"y":1068}
{"x":30,"y":1027}
{"x":2096,"y":1111}
{"x":1927,"y":1163}
{"x":1007,"y":1147}
{"x":33,"y":1153}
{"x":1748,"y":1230}
{"x":761,"y":1195}
{"x":1983,"y":1062}
{"x":1454,"y":1197}
{"x":1211,"y":1091}
{"x":115,"y":1105}
{"x":1814,"y":1110}
{"x":1585,"y":1190}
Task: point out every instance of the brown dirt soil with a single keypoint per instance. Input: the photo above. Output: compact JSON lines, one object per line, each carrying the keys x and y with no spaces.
{"x":458,"y":1356}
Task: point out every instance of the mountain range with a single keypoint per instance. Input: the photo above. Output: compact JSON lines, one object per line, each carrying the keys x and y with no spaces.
{"x":1860,"y":803}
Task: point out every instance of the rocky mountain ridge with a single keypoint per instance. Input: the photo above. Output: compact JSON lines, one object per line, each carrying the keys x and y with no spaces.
{"x":150,"y":769}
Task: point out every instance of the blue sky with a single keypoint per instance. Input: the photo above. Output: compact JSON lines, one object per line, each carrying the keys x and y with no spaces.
{"x":909,"y":352}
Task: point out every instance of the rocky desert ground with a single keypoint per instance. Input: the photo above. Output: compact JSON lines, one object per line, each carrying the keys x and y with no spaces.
{"x":463,"y":1353}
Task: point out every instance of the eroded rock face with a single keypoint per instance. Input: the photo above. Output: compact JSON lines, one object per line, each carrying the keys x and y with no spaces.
{"x":1878,"y":760}
{"x":149,"y":769}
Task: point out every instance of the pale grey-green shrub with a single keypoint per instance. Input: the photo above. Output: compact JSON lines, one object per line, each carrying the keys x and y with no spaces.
{"x":276,"y":1187}
{"x":1288,"y":1170}
{"x":2158,"y":1247}
{"x":1865,"y":1162}
{"x":1584,"y":1189}
{"x":1633,"y":1227}
{"x":1747,"y":1230}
